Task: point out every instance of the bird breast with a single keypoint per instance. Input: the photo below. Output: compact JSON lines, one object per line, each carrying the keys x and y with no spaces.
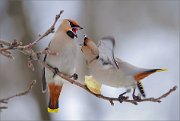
{"x":66,"y":49}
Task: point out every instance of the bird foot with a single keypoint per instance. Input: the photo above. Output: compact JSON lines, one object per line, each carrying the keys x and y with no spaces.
{"x":136,"y":97}
{"x":121,"y":97}
{"x":56,"y":70}
{"x":75,"y":76}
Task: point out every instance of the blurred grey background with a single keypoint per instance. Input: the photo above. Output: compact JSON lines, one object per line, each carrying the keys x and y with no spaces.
{"x":146,"y":33}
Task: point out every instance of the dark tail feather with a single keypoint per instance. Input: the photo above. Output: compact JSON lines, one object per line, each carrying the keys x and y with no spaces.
{"x":156,"y":70}
{"x":141,"y":89}
{"x":53,"y":109}
{"x":44,"y":84}
{"x":144,"y":74}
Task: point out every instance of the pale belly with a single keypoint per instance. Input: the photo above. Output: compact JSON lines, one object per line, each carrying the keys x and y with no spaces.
{"x":111,"y":76}
{"x":64,"y":61}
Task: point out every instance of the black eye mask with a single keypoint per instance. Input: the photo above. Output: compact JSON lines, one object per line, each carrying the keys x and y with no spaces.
{"x":71,"y":34}
{"x":72,"y":25}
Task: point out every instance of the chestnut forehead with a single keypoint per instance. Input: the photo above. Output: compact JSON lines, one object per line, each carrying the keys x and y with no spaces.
{"x":73,"y":22}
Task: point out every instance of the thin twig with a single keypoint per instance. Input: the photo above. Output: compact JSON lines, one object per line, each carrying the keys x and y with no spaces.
{"x":27,"y":50}
{"x":5,"y":100}
{"x":110,"y":99}
{"x":12,"y":45}
{"x":32,"y":55}
{"x":50,"y":30}
{"x":7,"y":54}
{"x":5,"y":43}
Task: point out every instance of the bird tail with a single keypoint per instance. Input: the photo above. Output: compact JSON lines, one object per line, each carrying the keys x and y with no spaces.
{"x":155,"y":70}
{"x":144,"y":74}
{"x":55,"y":91}
{"x":44,"y":84}
{"x":53,"y":109}
{"x":160,"y":70}
{"x":141,"y":89}
{"x":138,"y":77}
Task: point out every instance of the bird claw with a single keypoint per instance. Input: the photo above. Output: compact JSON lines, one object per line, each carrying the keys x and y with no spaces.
{"x":136,"y":97}
{"x":75,"y":76}
{"x":121,"y":98}
{"x":56,"y":70}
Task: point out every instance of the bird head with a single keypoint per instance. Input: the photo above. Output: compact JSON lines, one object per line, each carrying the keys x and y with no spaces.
{"x":89,"y":50}
{"x":70,"y":27}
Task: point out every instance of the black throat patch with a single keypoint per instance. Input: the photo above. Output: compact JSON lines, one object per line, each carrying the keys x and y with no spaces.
{"x":70,"y":34}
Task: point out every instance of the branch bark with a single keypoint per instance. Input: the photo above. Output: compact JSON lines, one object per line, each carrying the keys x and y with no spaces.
{"x":5,"y":100}
{"x":110,"y":99}
{"x":34,"y":56}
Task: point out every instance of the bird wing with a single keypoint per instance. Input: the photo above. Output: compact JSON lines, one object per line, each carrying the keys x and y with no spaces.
{"x":106,"y":51}
{"x":128,"y":68}
{"x":44,"y":84}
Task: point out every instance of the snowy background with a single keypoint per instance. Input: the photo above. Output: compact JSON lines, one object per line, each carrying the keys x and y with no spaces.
{"x":146,"y":33}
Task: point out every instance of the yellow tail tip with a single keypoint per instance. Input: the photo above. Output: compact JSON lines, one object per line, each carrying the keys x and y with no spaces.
{"x":53,"y":110}
{"x":163,"y":69}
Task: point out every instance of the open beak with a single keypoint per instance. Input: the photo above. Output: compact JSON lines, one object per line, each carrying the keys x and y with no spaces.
{"x":82,"y":44}
{"x":75,"y":29}
{"x":80,"y":28}
{"x":85,"y":37}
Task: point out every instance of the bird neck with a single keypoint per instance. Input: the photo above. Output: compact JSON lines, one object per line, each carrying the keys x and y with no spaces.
{"x":93,"y":59}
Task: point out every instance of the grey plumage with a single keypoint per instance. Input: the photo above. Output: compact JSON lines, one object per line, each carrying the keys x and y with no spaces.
{"x":106,"y":51}
{"x":112,"y":71}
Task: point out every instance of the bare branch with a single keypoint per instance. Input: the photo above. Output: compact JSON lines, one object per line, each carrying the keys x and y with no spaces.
{"x":7,"y":54}
{"x":27,"y":50}
{"x":110,"y":99}
{"x":5,"y":43}
{"x":5,"y":100}
{"x":30,"y":64}
{"x":50,"y":30}
{"x":11,"y":45}
{"x":34,"y":56}
{"x":159,"y":98}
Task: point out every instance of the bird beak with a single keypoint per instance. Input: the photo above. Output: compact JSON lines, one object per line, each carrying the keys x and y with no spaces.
{"x":85,"y":37}
{"x":80,"y":28}
{"x":75,"y":29}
